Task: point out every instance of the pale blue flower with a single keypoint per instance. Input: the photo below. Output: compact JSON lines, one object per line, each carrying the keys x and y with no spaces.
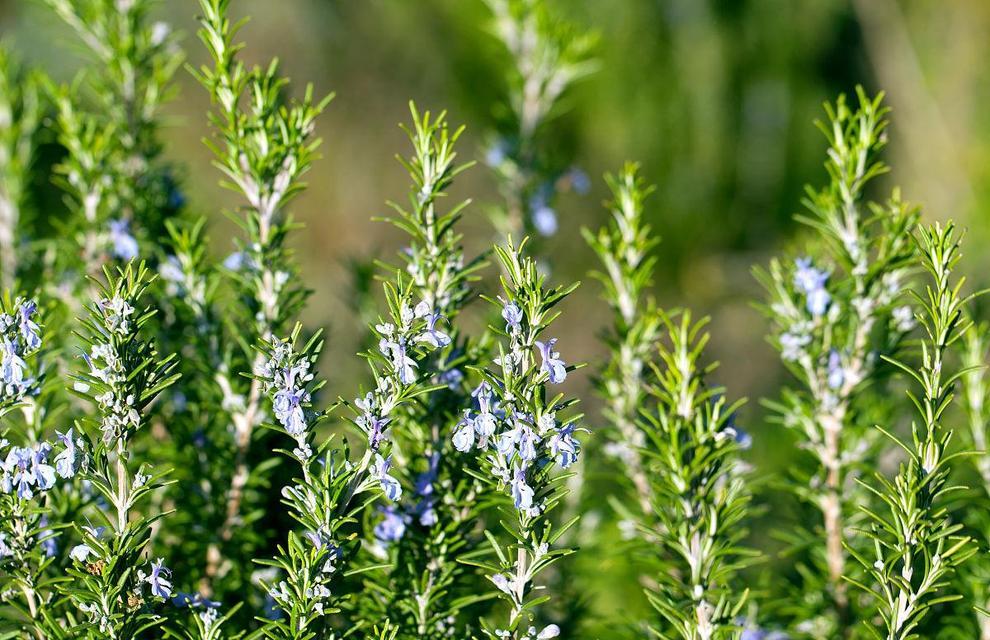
{"x":392,"y":526}
{"x":527,"y":443}
{"x":288,"y":410}
{"x":464,"y":433}
{"x":390,"y":486}
{"x":44,"y":473}
{"x":497,"y":153}
{"x":452,"y":378}
{"x":376,"y":430}
{"x":5,"y":550}
{"x":125,"y":246}
{"x":579,"y":180}
{"x":65,"y":461}
{"x":807,"y":278}
{"x":236,"y":261}
{"x":552,"y":363}
{"x":81,"y":552}
{"x":836,"y":372}
{"x":811,"y":281}
{"x":160,"y":579}
{"x":171,"y":270}
{"x":18,"y":472}
{"x":545,"y":220}
{"x":522,"y":493}
{"x":792,"y":345}
{"x":512,"y":315}
{"x":193,"y":601}
{"x":564,"y":445}
{"x":30,"y":331}
{"x":818,"y":301}
{"x":47,"y":538}
{"x":12,"y":365}
{"x":431,"y":335}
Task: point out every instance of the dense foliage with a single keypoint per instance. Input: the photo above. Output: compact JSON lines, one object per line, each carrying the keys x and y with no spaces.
{"x":174,"y":464}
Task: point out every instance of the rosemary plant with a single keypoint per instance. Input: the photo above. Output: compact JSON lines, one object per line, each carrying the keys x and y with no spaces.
{"x":21,"y":108}
{"x":624,"y":248}
{"x":833,"y":312}
{"x":916,"y":544}
{"x":169,"y":466}
{"x":264,"y":145}
{"x":546,"y":57}
{"x":425,"y":588}
{"x":525,"y":431}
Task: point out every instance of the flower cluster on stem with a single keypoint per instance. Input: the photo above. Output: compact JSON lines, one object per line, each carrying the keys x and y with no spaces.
{"x":833,"y":312}
{"x":522,"y":430}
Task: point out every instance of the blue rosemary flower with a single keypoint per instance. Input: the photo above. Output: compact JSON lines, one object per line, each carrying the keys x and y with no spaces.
{"x":393,"y":524}
{"x":552,"y":363}
{"x":380,"y":471}
{"x":545,"y":220}
{"x":522,"y":493}
{"x":464,"y":432}
{"x":564,"y":445}
{"x":836,"y":370}
{"x":29,"y":329}
{"x":125,"y":246}
{"x":66,"y":462}
{"x":811,"y":282}
{"x":431,"y":335}
{"x":160,"y":580}
{"x":512,"y":315}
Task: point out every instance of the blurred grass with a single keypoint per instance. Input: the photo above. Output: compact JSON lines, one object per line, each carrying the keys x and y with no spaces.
{"x":715,"y":98}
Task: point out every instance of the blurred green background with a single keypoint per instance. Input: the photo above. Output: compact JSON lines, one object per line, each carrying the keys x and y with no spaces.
{"x":715,"y":99}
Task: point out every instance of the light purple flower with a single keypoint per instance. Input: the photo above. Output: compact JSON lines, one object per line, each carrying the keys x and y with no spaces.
{"x":30,"y":331}
{"x":565,"y":445}
{"x":81,"y":552}
{"x":552,"y":363}
{"x":161,"y":585}
{"x":12,"y":365}
{"x":811,"y":281}
{"x":194,"y":601}
{"x":379,"y":470}
{"x":522,"y":493}
{"x":512,"y":315}
{"x":464,"y":433}
{"x":431,"y":335}
{"x":545,"y":220}
{"x":65,"y":461}
{"x":393,"y":525}
{"x":125,"y":246}
{"x":288,"y":410}
{"x":836,"y":372}
{"x":44,"y":473}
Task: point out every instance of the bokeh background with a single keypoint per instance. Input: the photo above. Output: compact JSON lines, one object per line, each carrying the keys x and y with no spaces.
{"x":716,"y":99}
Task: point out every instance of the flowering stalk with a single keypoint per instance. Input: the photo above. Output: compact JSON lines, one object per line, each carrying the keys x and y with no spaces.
{"x":524,"y":432}
{"x":333,"y":489}
{"x":425,"y":589}
{"x":699,"y":499}
{"x":20,"y":114}
{"x":832,"y":314}
{"x":547,"y":57}
{"x":28,"y":473}
{"x":624,"y":247}
{"x":113,"y":173}
{"x":114,"y":595}
{"x":916,"y":545}
{"x":264,"y":146}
